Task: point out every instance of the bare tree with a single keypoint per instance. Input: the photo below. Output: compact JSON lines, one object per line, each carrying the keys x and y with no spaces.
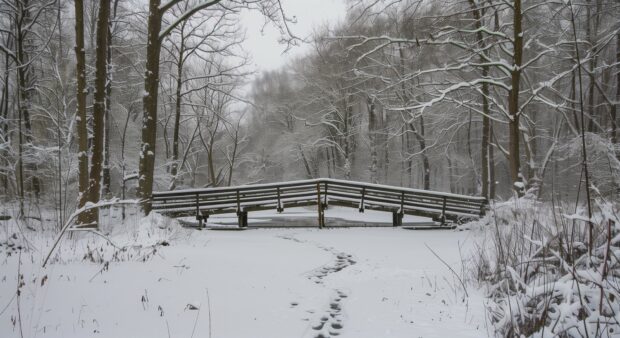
{"x":80,"y":90}
{"x":200,"y":38}
{"x":99,"y":110}
{"x":271,"y":9}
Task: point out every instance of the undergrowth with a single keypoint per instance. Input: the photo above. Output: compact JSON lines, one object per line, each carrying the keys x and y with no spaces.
{"x":542,"y":276}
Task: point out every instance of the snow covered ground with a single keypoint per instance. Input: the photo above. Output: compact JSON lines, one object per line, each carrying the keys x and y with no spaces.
{"x":276,"y":282}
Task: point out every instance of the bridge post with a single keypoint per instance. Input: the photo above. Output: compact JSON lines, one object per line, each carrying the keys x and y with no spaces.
{"x":325,"y":197}
{"x":202,"y":218}
{"x":320,"y":206}
{"x":198,"y":215}
{"x":401,"y":213}
{"x":361,"y":206}
{"x":279,"y":207}
{"x":397,"y":218}
{"x":443,"y":211}
{"x":242,"y":216}
{"x":238,"y":203}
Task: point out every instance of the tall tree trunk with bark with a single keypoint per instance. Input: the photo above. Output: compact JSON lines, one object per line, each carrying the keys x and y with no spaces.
{"x":177,"y":112}
{"x":4,"y":123}
{"x":101,"y":67}
{"x":426,"y":165}
{"x":372,"y":133}
{"x":513,"y":102}
{"x":592,"y":26}
{"x":106,"y":179}
{"x":614,"y":108}
{"x":233,"y":156}
{"x":24,"y":78}
{"x":386,"y":146}
{"x":491,"y":165}
{"x":149,"y":119}
{"x":347,"y":137}
{"x":82,"y":128}
{"x":484,"y":97}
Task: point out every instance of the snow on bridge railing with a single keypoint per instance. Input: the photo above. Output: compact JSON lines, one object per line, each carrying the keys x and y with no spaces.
{"x":321,"y":192}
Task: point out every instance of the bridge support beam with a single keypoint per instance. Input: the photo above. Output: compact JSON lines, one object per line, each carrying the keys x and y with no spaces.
{"x":243,"y":219}
{"x":202,"y":217}
{"x":397,"y":218}
{"x":321,"y":212}
{"x":320,"y":206}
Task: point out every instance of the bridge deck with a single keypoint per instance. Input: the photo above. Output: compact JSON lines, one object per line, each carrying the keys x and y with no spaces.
{"x":322,"y":193}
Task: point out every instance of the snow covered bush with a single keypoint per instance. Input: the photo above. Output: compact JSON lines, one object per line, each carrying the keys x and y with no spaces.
{"x":604,"y":164}
{"x":135,"y":239}
{"x":543,"y":278}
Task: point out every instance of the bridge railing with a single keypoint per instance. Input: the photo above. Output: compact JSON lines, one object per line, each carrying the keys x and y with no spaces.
{"x":321,"y":192}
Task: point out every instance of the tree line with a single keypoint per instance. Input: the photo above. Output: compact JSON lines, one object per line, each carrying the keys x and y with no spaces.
{"x":479,"y":97}
{"x":81,"y":110}
{"x":117,"y":98}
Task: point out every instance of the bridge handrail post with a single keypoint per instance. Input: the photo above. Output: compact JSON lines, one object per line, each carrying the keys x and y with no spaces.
{"x":443,"y":210}
{"x":279,"y":207}
{"x":325,"y":197}
{"x":361,"y":206}
{"x":238,"y":203}
{"x":319,"y":205}
{"x":198,"y":215}
{"x":402,"y":203}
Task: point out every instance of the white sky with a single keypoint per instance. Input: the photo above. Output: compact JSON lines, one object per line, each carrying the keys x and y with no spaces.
{"x":264,"y":47}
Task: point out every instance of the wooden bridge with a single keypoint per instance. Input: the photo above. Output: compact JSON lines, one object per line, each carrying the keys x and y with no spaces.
{"x":322,"y":192}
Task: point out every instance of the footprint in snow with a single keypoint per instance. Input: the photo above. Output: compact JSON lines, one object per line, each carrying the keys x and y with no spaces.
{"x":330,"y":324}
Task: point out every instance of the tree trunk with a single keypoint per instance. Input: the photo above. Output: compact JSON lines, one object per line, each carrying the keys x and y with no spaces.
{"x":210,"y":162}
{"x":177,"y":115}
{"x":348,"y":139}
{"x":305,"y":162}
{"x":614,"y":108}
{"x":591,"y":37}
{"x":426,"y":167}
{"x":386,"y":146}
{"x":486,"y":112}
{"x":419,"y":135}
{"x":149,"y":119}
{"x":513,"y":102}
{"x":450,"y":173}
{"x":372,"y":133}
{"x":23,"y":78}
{"x":4,"y":125}
{"x":475,"y":186}
{"x":491,"y":165}
{"x":94,"y":184}
{"x":329,"y":162}
{"x":108,"y":110}
{"x":82,"y":129}
{"x":233,"y":156}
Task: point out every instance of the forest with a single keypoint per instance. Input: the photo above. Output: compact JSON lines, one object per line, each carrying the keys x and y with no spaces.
{"x":113,"y":99}
{"x":512,"y":103}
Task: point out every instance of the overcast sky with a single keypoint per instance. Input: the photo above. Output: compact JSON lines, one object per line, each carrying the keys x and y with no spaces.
{"x":264,"y":47}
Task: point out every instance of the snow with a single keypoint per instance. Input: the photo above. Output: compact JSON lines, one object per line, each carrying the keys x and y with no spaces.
{"x":320,"y":180}
{"x":170,"y":281}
